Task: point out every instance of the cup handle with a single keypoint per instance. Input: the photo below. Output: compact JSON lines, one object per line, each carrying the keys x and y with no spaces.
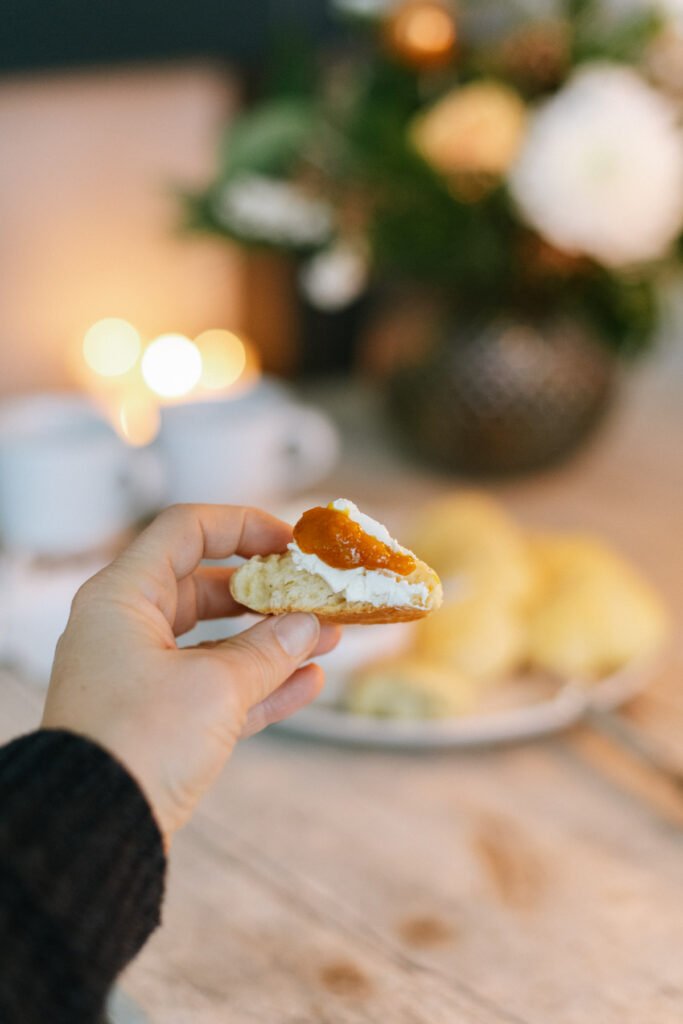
{"x":311,"y":447}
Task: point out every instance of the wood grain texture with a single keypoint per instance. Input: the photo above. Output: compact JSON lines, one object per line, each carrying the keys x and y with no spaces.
{"x":527,"y":885}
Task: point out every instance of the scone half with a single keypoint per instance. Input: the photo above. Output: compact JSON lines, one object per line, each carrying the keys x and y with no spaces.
{"x":299,"y":581}
{"x":274,"y":585}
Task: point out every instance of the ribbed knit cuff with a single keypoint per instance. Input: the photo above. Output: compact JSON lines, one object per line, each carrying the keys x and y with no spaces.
{"x":81,"y":876}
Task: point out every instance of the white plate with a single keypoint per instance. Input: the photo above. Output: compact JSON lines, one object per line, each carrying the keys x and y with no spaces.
{"x":549,"y":714}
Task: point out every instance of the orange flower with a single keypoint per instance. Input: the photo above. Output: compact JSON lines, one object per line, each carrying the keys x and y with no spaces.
{"x":474,"y":129}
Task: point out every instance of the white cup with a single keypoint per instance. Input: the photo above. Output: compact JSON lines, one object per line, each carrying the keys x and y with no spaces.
{"x":65,"y":476}
{"x":251,"y":450}
{"x":34,"y":606}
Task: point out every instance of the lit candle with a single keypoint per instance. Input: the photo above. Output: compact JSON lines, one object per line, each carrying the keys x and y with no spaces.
{"x":224,"y":358}
{"x":171,"y":366}
{"x":131,"y":381}
{"x":111,"y":347}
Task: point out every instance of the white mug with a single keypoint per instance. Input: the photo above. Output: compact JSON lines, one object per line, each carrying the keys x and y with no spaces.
{"x":65,"y":476}
{"x":253,"y":449}
{"x":34,"y":607}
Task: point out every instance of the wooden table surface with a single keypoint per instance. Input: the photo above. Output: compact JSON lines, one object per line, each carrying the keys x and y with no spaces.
{"x":527,"y":885}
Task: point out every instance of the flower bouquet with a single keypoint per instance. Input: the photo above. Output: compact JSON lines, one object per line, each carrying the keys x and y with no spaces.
{"x":523,"y":176}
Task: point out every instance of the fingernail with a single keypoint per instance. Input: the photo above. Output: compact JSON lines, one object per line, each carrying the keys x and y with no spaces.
{"x":297,"y":633}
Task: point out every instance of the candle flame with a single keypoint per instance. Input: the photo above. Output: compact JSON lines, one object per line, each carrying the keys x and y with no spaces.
{"x":224,"y":358}
{"x":171,"y":366}
{"x":131,"y":390}
{"x":111,"y":347}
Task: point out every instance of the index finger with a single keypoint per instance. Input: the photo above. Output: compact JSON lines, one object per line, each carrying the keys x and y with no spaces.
{"x":178,"y":539}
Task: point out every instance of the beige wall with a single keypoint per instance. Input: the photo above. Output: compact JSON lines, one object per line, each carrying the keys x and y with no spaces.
{"x":87,"y":216}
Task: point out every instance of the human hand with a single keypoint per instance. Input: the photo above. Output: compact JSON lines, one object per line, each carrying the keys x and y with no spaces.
{"x":173,"y":715}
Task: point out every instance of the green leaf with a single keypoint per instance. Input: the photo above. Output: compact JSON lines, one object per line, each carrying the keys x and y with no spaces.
{"x":575,"y":10}
{"x":623,"y":309}
{"x":624,"y":41}
{"x":270,"y":139}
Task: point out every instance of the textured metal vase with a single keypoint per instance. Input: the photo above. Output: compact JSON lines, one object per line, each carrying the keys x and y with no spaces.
{"x":503,"y":397}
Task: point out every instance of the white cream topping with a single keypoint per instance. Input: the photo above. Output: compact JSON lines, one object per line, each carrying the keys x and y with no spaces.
{"x":372,"y":586}
{"x":378,"y":587}
{"x":367,"y":523}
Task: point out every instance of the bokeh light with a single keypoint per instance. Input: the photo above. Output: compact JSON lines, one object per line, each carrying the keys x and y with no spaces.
{"x":224,"y":358}
{"x":138,"y":418}
{"x":422,"y":33}
{"x":111,"y":347}
{"x":171,"y":365}
{"x":430,"y":31}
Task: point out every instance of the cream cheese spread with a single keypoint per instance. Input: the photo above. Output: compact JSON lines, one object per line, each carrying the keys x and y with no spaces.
{"x":378,"y":587}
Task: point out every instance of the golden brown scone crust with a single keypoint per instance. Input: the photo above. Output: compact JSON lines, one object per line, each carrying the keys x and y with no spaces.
{"x":273,"y":586}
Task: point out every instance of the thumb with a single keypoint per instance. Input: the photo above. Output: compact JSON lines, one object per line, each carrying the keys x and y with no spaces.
{"x":261,"y":658}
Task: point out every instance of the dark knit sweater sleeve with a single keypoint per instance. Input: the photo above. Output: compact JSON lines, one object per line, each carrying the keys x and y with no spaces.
{"x":81,"y":877}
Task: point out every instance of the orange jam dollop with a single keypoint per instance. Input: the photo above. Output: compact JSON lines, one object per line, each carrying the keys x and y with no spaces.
{"x":342,"y":544}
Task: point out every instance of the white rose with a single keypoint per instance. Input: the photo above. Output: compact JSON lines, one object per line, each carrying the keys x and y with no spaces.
{"x":269,"y":210}
{"x":335,"y":277}
{"x":601,"y":169}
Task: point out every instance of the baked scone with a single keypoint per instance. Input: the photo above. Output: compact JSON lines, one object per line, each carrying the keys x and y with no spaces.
{"x":469,"y":536}
{"x":564,"y":557}
{"x":480,"y":636}
{"x":343,"y":567}
{"x":409,"y":688}
{"x":595,"y":614}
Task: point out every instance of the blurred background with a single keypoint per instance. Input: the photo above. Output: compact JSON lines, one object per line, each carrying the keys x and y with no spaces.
{"x":440,"y":241}
{"x":425,"y":255}
{"x":271,"y":251}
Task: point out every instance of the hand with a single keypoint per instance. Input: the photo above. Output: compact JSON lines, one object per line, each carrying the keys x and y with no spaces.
{"x":173,"y":715}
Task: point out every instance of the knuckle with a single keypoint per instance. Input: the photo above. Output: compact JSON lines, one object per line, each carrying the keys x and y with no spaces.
{"x":258,"y":662}
{"x":256,"y":720}
{"x":91,"y":590}
{"x":174,"y":512}
{"x":59,"y":647}
{"x":79,"y":599}
{"x":83,"y":596}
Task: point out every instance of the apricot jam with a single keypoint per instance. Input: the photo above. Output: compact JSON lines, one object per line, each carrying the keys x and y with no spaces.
{"x":341,"y":543}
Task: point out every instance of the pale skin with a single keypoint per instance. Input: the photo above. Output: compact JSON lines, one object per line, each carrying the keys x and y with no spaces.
{"x":171,"y":715}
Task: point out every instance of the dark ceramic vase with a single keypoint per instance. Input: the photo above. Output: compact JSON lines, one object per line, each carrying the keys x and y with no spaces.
{"x":503,"y":397}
